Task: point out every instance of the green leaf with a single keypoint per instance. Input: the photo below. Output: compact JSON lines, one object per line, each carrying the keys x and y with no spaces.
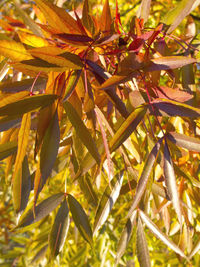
{"x":125,"y":236}
{"x":107,"y":201}
{"x":21,"y":187}
{"x":170,"y":180}
{"x":127,"y":127}
{"x":27,"y":104}
{"x":184,"y":141}
{"x":7,"y":149}
{"x":41,"y":210}
{"x":80,"y":219}
{"x":142,"y":247}
{"x":141,"y":186}
{"x":159,"y":234}
{"x":59,"y":229}
{"x":82,"y":131}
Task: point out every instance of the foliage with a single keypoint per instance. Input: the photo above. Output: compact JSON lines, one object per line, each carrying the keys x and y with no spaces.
{"x":99,"y":144}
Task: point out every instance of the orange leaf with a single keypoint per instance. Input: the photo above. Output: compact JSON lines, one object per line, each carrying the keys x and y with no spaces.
{"x":57,"y":17}
{"x":106,"y":19}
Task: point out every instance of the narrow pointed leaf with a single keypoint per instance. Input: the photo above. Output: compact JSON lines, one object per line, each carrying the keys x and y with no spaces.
{"x":27,"y":104}
{"x":107,"y":201}
{"x":184,"y":141}
{"x":82,"y":131}
{"x":125,"y":236}
{"x":87,"y":190}
{"x":170,"y":180}
{"x":67,"y":60}
{"x":22,"y":140}
{"x":167,"y":63}
{"x":186,"y":174}
{"x":26,"y":84}
{"x":36,"y":65}
{"x":41,"y":210}
{"x":144,"y":10}
{"x":13,"y":50}
{"x":106,"y":19}
{"x":173,"y":108}
{"x":74,"y":38}
{"x":7,"y":149}
{"x":72,"y":82}
{"x":80,"y":219}
{"x":32,"y":40}
{"x":11,"y":98}
{"x":40,"y":254}
{"x":59,"y":229}
{"x":118,"y":79}
{"x":159,"y":234}
{"x":28,"y":20}
{"x":86,"y":18}
{"x":141,"y":186}
{"x":49,"y":151}
{"x":8,"y":122}
{"x":142,"y":247}
{"x":195,"y":250}
{"x":116,"y":100}
{"x":177,"y":14}
{"x":127,"y":127}
{"x":21,"y":187}
{"x":58,"y":18}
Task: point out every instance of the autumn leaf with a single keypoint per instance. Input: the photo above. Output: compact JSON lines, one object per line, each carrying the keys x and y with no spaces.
{"x":13,"y":50}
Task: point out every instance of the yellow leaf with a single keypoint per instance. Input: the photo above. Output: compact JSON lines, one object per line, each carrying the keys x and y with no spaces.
{"x":32,"y":40}
{"x":52,"y":50}
{"x":22,"y":140}
{"x":13,"y":50}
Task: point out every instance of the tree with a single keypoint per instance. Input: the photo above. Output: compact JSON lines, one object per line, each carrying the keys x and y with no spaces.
{"x":99,"y":119}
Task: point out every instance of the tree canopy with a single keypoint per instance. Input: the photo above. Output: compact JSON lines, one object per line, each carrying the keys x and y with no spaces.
{"x":99,"y":133}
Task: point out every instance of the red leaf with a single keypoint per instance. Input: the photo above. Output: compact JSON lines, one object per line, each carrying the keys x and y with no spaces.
{"x":173,"y":94}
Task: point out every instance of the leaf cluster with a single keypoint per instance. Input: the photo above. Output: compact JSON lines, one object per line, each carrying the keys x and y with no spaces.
{"x":99,"y":134}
